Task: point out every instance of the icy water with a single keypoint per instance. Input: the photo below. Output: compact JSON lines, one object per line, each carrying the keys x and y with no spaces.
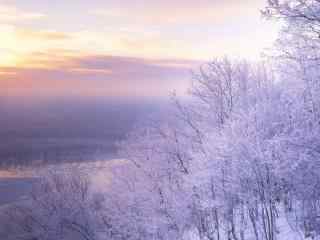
{"x":17,"y":185}
{"x":59,"y":133}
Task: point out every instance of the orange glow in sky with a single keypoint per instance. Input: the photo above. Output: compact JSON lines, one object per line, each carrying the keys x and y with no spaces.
{"x":56,"y":47}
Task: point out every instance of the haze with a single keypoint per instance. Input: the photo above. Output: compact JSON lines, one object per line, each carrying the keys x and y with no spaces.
{"x":121,"y":48}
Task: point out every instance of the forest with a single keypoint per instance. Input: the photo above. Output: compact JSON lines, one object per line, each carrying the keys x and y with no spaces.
{"x":237,"y":159}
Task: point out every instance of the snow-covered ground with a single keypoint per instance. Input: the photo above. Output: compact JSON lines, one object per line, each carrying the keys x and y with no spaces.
{"x":16,"y":188}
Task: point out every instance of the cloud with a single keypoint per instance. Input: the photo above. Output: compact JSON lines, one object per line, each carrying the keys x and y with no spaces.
{"x":124,"y":47}
{"x":180,"y":12}
{"x":9,"y":13}
{"x":21,"y":45}
{"x":99,"y":76}
{"x":83,"y":70}
{"x":147,"y":29}
{"x":41,"y":35}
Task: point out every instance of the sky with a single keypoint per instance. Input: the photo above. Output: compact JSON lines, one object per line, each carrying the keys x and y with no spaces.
{"x":121,"y":48}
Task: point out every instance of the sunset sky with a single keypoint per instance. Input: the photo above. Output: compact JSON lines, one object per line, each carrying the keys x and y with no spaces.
{"x":121,"y":47}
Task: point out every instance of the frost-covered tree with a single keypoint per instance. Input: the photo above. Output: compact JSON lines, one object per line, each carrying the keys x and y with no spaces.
{"x":232,"y":161}
{"x":234,"y":155}
{"x":200,"y":160}
{"x":299,"y":47}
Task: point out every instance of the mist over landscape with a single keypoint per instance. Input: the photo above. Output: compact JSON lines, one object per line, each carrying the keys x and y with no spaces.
{"x":67,"y":130}
{"x":159,"y":120}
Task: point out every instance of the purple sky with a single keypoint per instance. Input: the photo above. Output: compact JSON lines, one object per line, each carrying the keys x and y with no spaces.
{"x":121,"y":47}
